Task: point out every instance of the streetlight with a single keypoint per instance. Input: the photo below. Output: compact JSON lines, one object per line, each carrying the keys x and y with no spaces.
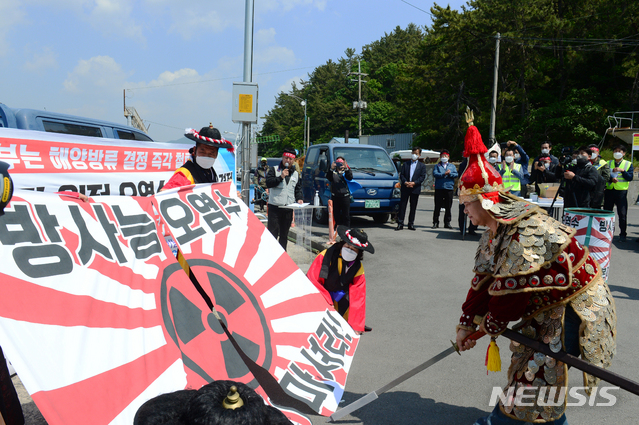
{"x":303,"y":103}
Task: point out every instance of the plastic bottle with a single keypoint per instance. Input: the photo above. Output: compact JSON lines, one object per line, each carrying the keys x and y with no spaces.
{"x":316,"y":200}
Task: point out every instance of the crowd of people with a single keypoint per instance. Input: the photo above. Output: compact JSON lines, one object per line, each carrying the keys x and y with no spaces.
{"x":581,"y":176}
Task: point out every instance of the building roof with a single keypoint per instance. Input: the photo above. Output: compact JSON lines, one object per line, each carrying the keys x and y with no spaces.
{"x":351,"y":140}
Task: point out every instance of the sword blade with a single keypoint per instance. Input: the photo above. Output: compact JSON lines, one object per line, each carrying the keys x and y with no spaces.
{"x":373,"y":395}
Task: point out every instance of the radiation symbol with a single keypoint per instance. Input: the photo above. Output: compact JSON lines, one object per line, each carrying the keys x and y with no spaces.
{"x":196,"y":331}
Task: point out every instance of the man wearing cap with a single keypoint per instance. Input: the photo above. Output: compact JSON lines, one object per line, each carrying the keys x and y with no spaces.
{"x":285,"y":188}
{"x":259,"y":180}
{"x":199,"y":167}
{"x":529,"y":267}
{"x":616,"y":193}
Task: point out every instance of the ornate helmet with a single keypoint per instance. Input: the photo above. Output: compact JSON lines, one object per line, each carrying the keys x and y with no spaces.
{"x":480,"y":180}
{"x":208,"y":136}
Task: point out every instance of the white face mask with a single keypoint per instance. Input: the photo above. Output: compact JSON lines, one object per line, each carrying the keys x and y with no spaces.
{"x":205,"y":162}
{"x":348,"y":254}
{"x":517,"y":156}
{"x":547,"y":164}
{"x":545,"y":151}
{"x":492,"y":160}
{"x":594,"y":155}
{"x":444,"y":159}
{"x":414,"y":157}
{"x":618,"y":155}
{"x":509,"y":159}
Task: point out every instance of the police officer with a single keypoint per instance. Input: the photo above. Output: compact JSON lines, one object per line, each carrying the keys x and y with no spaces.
{"x":521,"y":158}
{"x":199,"y":167}
{"x":616,"y":193}
{"x":511,"y":172}
{"x":285,"y":188}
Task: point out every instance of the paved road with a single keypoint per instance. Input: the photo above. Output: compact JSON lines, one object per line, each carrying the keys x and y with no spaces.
{"x":416,"y":284}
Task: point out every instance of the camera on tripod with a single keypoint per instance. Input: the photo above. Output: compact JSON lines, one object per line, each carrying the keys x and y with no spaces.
{"x":566,"y":156}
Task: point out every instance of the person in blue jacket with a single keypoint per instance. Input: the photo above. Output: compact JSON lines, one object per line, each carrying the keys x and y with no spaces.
{"x":445,"y":174}
{"x":521,"y":158}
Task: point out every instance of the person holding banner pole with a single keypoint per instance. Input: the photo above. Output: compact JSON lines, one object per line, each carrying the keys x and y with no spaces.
{"x":199,"y":167}
{"x":285,"y":188}
{"x":529,"y":267}
{"x":338,"y":274}
{"x":10,"y":408}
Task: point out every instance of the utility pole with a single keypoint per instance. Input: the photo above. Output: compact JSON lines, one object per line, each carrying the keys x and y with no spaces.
{"x":359,"y":104}
{"x":248,"y":78}
{"x":493,"y":109}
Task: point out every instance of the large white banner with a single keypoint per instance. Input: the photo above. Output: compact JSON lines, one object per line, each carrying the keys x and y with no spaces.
{"x":51,"y":162}
{"x":97,"y":315}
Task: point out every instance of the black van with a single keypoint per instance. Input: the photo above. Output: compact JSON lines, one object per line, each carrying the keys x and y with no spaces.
{"x":372,"y":168}
{"x":52,"y":122}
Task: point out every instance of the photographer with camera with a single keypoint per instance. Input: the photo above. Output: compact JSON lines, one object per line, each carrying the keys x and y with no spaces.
{"x":341,"y":196}
{"x":579,"y":178}
{"x":543,"y":172}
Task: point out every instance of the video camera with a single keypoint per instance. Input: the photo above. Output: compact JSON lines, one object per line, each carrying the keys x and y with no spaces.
{"x":566,"y":156}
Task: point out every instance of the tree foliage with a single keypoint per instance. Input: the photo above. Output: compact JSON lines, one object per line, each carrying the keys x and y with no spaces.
{"x":563,"y":66}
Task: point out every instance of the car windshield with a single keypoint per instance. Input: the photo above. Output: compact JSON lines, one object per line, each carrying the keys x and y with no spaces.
{"x":373,"y":160}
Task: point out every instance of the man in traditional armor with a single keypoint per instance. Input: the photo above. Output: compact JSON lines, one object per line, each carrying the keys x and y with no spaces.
{"x":530,"y":267}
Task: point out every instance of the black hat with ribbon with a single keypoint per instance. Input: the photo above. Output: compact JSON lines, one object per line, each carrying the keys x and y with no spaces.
{"x":209,"y":136}
{"x":6,"y":186}
{"x":356,"y":237}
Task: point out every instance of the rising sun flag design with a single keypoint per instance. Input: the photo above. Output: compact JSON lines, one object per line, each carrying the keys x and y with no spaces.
{"x":97,"y":315}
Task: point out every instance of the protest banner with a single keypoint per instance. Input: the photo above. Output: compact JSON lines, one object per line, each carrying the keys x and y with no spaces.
{"x":94,"y":166}
{"x":97,"y":316}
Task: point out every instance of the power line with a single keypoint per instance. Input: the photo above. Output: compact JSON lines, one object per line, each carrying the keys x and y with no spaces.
{"x":428,"y":13}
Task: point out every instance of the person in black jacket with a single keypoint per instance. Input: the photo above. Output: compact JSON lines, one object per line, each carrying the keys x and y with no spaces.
{"x":411,"y":176}
{"x":580,"y":179}
{"x":462,"y":215}
{"x":543,"y":172}
{"x":341,"y":196}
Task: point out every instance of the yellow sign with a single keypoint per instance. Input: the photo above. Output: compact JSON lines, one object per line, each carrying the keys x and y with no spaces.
{"x":635,"y":142}
{"x":246,"y":103}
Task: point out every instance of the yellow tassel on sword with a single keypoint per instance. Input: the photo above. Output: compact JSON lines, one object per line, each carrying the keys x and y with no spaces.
{"x":493,"y":359}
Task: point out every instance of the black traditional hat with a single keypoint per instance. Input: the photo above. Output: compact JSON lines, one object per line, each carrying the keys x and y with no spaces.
{"x":6,"y":186}
{"x":209,"y":136}
{"x":355,"y":237}
{"x":218,"y":403}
